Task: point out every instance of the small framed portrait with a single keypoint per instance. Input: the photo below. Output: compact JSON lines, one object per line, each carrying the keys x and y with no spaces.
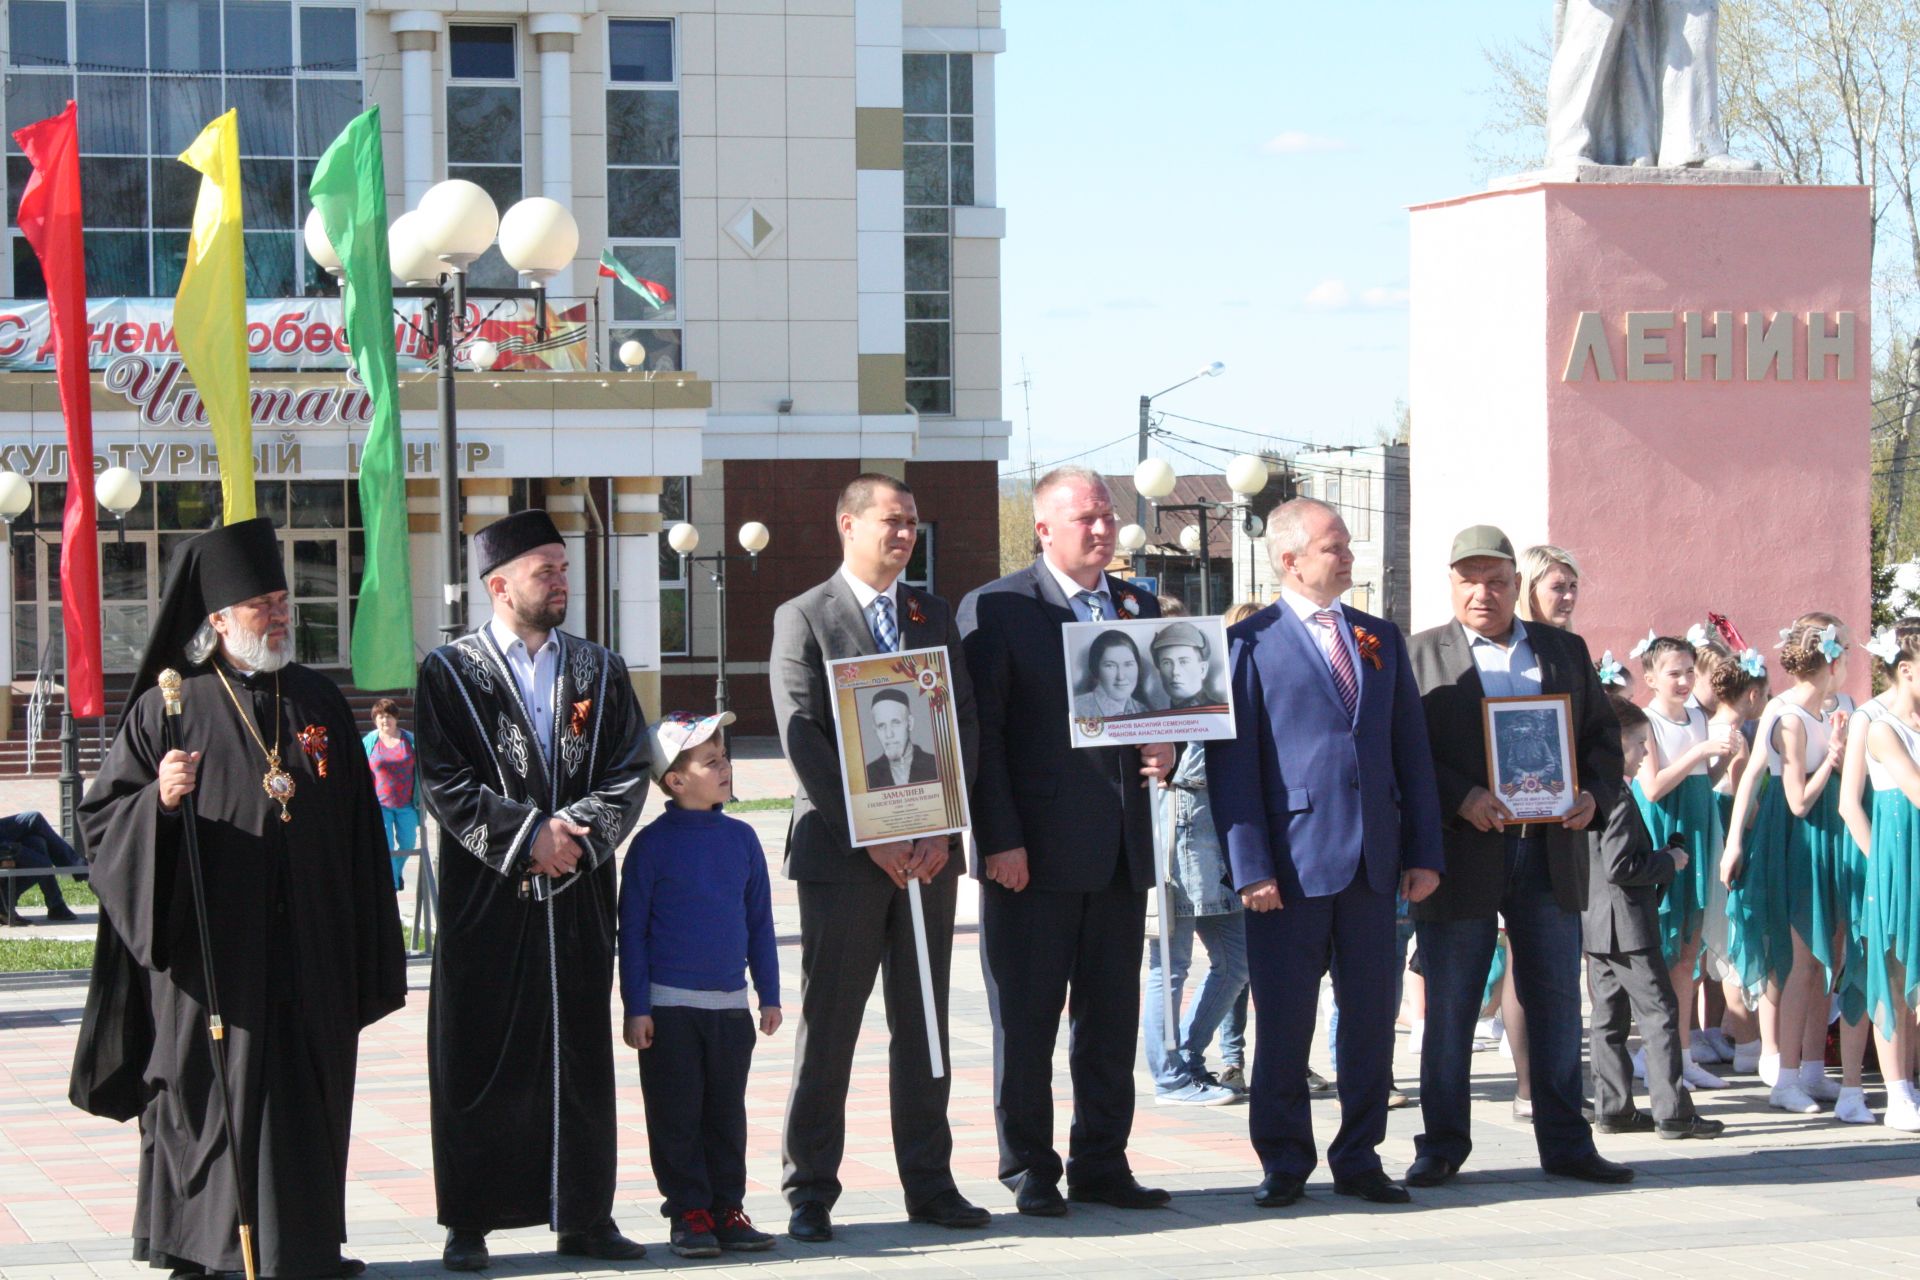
{"x":1147,"y":680}
{"x":1530,"y":761}
{"x":899,"y":738}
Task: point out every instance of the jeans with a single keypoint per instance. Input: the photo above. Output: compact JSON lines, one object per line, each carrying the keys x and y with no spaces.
{"x":1402,"y":937}
{"x":36,"y":844}
{"x":1455,"y":955}
{"x":1233,"y":1031}
{"x":1225,"y":937}
{"x":403,"y":832}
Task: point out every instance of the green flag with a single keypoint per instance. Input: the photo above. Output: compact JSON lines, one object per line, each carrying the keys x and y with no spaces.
{"x":349,"y":188}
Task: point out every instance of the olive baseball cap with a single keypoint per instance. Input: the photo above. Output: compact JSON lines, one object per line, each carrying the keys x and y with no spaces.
{"x":1480,"y":540}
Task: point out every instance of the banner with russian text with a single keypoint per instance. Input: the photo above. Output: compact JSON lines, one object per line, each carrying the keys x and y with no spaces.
{"x":296,"y":333}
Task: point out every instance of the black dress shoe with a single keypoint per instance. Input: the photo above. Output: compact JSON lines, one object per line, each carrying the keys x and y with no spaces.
{"x":1695,"y":1127}
{"x":350,"y":1267}
{"x":1123,"y":1192}
{"x":603,"y":1242}
{"x":465,"y":1251}
{"x":950,"y":1209}
{"x":1039,"y":1199}
{"x":1278,"y":1190}
{"x":1375,"y":1186}
{"x":1627,"y":1122}
{"x":810,"y":1223}
{"x":1591,"y":1167}
{"x":1430,"y":1171}
{"x":1317,"y":1083}
{"x":63,"y":914}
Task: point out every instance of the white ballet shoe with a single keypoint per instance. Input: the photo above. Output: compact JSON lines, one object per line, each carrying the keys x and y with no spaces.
{"x":1769,"y":1068}
{"x":1705,"y":1051}
{"x":1813,"y":1079}
{"x":1789,"y":1096}
{"x":1698,"y":1077}
{"x":1903,"y":1113}
{"x":1852,"y":1108}
{"x":1746,"y":1059}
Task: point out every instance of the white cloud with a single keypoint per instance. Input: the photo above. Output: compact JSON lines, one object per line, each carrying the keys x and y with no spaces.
{"x":1334,"y":294}
{"x":1329,"y":295}
{"x":1294,"y":142}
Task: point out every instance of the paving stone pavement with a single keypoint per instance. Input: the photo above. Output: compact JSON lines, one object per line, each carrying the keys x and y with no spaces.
{"x":1778,"y":1196}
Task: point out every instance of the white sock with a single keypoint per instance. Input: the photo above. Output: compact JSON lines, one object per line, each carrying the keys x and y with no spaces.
{"x":1812,"y":1072}
{"x":1770,"y":1068}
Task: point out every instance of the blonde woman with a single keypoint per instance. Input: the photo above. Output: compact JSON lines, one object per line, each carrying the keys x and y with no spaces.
{"x":1549,"y":586}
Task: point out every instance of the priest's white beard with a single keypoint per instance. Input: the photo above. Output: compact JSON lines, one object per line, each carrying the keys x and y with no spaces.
{"x":257,"y":652}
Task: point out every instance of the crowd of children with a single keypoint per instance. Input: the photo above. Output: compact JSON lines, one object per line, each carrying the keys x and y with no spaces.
{"x":1794,"y":846}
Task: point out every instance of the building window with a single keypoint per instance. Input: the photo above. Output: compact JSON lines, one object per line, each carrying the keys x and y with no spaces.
{"x":291,"y":70}
{"x":643,"y":186}
{"x":673,"y":582}
{"x":919,"y":571}
{"x":484,"y":127}
{"x":939,"y":174}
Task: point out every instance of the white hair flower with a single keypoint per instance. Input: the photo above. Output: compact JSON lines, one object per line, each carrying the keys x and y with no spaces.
{"x":1885,"y":646}
{"x":1646,"y":644}
{"x":1609,"y":670}
{"x":1699,"y":635}
{"x":1830,"y":646}
{"x":1752,"y":663}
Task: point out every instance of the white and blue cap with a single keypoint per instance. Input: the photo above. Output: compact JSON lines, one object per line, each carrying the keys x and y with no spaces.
{"x":679,"y":731}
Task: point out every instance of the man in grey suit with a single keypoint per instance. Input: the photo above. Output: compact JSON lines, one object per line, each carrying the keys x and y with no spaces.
{"x":1533,"y":875}
{"x":855,"y":920}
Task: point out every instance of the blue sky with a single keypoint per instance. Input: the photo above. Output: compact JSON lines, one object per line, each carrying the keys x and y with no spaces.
{"x":1216,"y":180}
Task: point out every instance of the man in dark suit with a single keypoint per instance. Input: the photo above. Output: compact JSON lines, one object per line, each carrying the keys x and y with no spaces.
{"x":901,"y":761}
{"x":1325,"y":802}
{"x":1066,"y":845}
{"x":855,"y":920}
{"x":1533,"y":875}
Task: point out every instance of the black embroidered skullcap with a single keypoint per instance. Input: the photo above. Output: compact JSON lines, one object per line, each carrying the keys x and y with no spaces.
{"x":511,"y":537}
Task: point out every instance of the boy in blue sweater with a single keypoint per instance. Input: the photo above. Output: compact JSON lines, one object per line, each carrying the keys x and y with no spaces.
{"x":695,"y":911}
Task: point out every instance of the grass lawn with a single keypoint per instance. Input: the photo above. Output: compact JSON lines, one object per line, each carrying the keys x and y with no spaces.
{"x":77,"y":893}
{"x":26,"y":955}
{"x":761,"y":806}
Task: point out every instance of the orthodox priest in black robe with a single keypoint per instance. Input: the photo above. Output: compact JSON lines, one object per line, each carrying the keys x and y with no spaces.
{"x":305,"y":935}
{"x":534,"y":753}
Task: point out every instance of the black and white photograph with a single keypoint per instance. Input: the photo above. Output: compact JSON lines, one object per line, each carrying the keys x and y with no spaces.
{"x":902,"y":774}
{"x":1530,"y":756}
{"x":1148,"y":680}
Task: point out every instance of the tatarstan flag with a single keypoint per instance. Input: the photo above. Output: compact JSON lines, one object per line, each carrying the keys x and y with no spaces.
{"x":652,"y":292}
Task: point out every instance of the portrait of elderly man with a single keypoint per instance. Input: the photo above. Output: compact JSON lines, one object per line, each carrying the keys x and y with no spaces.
{"x":1533,"y":876}
{"x":1182,"y":657}
{"x":901,"y":760}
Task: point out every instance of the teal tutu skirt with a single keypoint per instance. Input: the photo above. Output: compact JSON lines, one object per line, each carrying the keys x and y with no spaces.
{"x":1893,"y":904}
{"x":1690,"y":811}
{"x":1763,"y":902}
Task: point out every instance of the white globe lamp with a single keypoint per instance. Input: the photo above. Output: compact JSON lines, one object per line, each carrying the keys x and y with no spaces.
{"x":754,"y":537}
{"x":1247,"y":475}
{"x":1154,"y":479}
{"x":538,"y":238}
{"x":684,"y":538}
{"x":118,"y":490}
{"x":483,"y":354}
{"x":1132,"y":539}
{"x":633,"y":354}
{"x":458,"y":221}
{"x":1190,"y":539}
{"x":409,"y":256}
{"x":16,"y":495}
{"x":319,"y":248}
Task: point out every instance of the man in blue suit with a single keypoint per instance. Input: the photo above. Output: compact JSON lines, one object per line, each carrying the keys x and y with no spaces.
{"x":1327,"y":806}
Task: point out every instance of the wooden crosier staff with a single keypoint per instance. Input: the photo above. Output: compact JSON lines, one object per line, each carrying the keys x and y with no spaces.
{"x":216,"y":1029}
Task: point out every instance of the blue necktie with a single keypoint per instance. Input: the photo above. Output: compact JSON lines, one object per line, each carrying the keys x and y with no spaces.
{"x":1096,"y":605}
{"x":885,"y":634}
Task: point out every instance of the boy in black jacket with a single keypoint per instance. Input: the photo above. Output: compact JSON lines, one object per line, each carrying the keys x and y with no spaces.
{"x":1626,"y":974}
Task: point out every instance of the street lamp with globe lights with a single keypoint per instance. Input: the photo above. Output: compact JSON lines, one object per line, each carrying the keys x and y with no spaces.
{"x":429,"y":250}
{"x":118,"y":490}
{"x":1247,"y":476}
{"x":685,"y":540}
{"x":1212,"y":369}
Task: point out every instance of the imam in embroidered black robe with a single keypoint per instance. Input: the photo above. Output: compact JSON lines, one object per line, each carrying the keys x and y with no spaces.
{"x":306,"y":952}
{"x":519,"y":1030}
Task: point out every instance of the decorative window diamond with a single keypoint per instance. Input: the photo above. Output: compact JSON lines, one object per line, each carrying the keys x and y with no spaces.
{"x":751,"y":229}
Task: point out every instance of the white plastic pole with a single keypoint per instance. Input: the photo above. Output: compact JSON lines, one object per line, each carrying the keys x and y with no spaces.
{"x":934,"y":1055}
{"x":1163,"y":869}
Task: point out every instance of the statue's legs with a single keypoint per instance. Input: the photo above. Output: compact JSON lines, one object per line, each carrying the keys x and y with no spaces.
{"x":1691,"y":128}
{"x":1599,"y":106}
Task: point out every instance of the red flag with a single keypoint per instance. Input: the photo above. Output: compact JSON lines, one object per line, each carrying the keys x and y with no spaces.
{"x":50,"y":219}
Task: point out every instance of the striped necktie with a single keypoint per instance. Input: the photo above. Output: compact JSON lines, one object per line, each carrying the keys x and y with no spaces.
{"x":1344,"y":677}
{"x":885,"y":634}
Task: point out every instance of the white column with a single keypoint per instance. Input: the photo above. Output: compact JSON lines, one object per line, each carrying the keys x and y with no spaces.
{"x":986,"y":191}
{"x":417,"y":32}
{"x":553,"y":36}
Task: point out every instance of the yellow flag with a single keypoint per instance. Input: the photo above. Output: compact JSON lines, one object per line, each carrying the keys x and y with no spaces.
{"x":210,"y":310}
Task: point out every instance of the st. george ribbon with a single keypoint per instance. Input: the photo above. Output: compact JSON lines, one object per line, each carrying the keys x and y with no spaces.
{"x":216,"y":1029}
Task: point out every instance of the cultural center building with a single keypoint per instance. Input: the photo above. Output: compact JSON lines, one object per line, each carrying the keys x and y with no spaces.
{"x":806,"y":188}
